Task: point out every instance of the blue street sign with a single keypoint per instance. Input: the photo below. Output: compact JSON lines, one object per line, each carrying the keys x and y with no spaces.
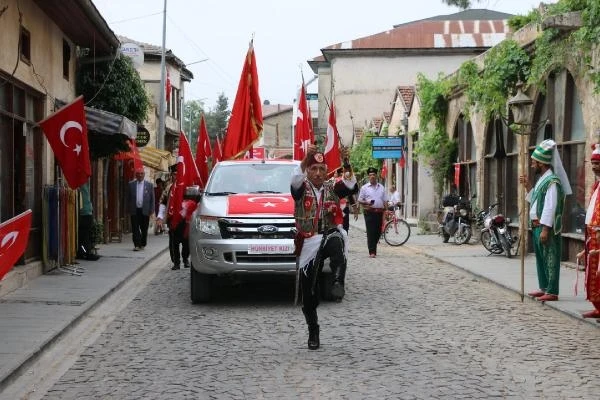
{"x":387,"y":147}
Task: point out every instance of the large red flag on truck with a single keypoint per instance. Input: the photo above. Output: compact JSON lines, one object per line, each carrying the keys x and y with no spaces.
{"x":246,"y":121}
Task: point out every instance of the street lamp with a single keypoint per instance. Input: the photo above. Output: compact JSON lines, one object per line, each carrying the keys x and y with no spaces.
{"x":520,"y":105}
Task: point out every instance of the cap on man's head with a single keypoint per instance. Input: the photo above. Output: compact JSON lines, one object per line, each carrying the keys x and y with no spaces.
{"x":595,"y":152}
{"x":317,"y":158}
{"x":543,"y":151}
{"x":371,"y":170}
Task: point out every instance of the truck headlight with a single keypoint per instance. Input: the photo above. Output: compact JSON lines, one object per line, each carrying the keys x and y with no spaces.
{"x":208,"y":225}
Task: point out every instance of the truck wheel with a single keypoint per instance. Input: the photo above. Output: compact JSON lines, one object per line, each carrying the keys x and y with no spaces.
{"x":199,"y":286}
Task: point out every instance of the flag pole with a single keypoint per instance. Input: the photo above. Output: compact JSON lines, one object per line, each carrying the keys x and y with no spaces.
{"x":160,"y":135}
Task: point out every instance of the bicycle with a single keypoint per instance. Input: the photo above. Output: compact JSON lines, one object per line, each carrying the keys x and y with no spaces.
{"x":396,"y":230}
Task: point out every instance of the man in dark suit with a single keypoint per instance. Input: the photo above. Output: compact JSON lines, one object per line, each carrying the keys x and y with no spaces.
{"x":140,"y":205}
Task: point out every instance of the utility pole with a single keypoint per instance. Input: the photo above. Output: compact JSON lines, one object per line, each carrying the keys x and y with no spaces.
{"x":160,"y":138}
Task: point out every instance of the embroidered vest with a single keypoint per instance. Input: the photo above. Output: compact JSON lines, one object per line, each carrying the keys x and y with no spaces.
{"x":310,"y":213}
{"x":539,"y":196}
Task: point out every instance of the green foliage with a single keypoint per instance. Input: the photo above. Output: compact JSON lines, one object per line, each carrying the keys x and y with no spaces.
{"x":361,"y":156}
{"x":487,"y":91}
{"x":434,"y":146}
{"x":192,"y":110}
{"x":463,"y":4}
{"x":217,"y":117}
{"x":115,"y":87}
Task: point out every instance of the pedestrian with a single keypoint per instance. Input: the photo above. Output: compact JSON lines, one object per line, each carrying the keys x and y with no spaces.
{"x":590,"y":253}
{"x":85,"y":249}
{"x":319,"y":235}
{"x":158,"y":190}
{"x":394,"y":197}
{"x":347,"y":203}
{"x":546,"y":201}
{"x":179,"y":248}
{"x":141,"y":206}
{"x":373,"y":198}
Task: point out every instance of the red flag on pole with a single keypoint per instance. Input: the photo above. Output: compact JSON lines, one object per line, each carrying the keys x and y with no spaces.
{"x":187,"y":175}
{"x":384,"y":170}
{"x":457,"y":175}
{"x":14,"y":235}
{"x":303,"y":133}
{"x":168,"y":86}
{"x":217,"y":154}
{"x":246,"y":122}
{"x":66,"y":131}
{"x":333,"y":158}
{"x":203,"y":151}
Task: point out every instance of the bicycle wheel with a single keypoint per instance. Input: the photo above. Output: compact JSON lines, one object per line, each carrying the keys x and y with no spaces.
{"x":396,"y":233}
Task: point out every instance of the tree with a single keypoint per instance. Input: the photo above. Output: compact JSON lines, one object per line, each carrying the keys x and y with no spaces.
{"x":114,"y":86}
{"x":217,"y":118}
{"x":463,"y":4}
{"x":361,"y":156}
{"x":192,"y":110}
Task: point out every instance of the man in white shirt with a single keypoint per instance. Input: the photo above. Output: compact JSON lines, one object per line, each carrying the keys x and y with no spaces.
{"x":394,"y":197}
{"x":373,"y":197}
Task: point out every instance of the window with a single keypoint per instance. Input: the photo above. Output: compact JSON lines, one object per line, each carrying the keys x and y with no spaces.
{"x":467,"y":158}
{"x":561,"y":108}
{"x":66,"y":59}
{"x":25,"y":46}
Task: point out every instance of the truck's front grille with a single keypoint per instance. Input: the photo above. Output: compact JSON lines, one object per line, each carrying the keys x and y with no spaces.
{"x":257,"y":228}
{"x":244,"y":257}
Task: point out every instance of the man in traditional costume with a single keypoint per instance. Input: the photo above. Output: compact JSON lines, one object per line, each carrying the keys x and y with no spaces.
{"x":320,"y":233}
{"x":374,"y":199}
{"x":592,"y":240}
{"x":546,"y":202}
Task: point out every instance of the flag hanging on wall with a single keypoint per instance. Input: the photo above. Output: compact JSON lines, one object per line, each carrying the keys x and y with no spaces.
{"x":66,"y":131}
{"x":14,"y":236}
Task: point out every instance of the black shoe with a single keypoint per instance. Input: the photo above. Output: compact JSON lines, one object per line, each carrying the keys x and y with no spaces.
{"x":92,"y":257}
{"x":175,"y":267}
{"x":186,"y":264}
{"x":337,"y":291}
{"x":313,"y":337}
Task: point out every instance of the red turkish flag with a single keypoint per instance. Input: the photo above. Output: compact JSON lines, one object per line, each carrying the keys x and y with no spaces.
{"x":203,"y":151}
{"x":66,"y":131}
{"x":168,"y":86}
{"x":14,"y":235}
{"x":187,"y":175}
{"x":457,"y":175}
{"x":384,"y":170}
{"x":246,"y":122}
{"x":303,"y":132}
{"x":333,"y":157}
{"x":217,"y":154}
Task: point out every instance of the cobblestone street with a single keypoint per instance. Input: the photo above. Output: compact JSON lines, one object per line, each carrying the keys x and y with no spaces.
{"x":410,"y":327}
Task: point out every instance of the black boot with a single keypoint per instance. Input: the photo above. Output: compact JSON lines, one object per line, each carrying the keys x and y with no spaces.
{"x":313,"y":328}
{"x":337,"y":291}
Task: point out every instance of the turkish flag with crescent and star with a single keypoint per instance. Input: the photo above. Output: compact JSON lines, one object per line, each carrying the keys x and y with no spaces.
{"x":66,"y":131}
{"x":203,"y":151}
{"x":279,"y":204}
{"x":14,"y":235}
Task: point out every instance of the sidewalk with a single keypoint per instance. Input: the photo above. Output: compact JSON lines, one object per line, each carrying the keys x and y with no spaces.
{"x":33,"y":316}
{"x":499,"y":269}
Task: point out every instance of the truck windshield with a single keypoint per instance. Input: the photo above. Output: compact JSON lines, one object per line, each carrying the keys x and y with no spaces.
{"x":250,"y":178}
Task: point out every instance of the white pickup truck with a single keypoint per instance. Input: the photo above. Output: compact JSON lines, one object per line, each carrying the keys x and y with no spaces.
{"x":244,"y":223}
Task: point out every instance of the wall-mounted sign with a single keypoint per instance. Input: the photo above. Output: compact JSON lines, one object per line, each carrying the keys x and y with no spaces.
{"x":387,"y":147}
{"x":134,"y":52}
{"x":142,"y":138}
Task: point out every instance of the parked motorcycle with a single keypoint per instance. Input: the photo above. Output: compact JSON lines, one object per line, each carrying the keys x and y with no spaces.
{"x":456,"y":219}
{"x":495,"y":235}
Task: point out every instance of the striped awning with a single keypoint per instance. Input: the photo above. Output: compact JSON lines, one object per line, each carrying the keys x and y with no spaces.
{"x":156,"y":158}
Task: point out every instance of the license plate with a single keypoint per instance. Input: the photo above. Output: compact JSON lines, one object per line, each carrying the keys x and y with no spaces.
{"x":270,"y":248}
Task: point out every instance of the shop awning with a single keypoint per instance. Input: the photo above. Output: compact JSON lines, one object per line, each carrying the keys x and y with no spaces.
{"x":156,"y":158}
{"x":107,"y":123}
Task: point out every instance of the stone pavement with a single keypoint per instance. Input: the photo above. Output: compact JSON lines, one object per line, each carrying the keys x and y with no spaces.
{"x":34,"y":316}
{"x":499,"y":269}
